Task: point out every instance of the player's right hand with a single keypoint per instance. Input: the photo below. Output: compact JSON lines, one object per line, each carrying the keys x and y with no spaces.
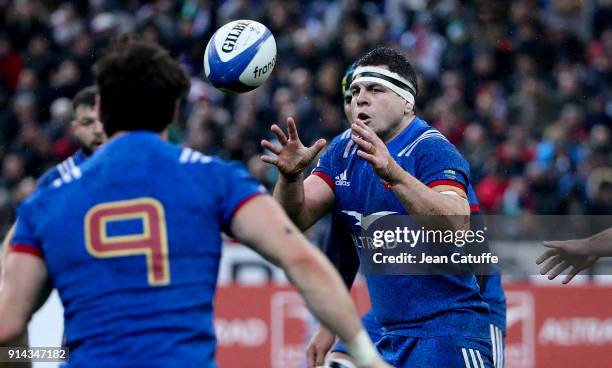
{"x":292,"y":157}
{"x":320,"y":343}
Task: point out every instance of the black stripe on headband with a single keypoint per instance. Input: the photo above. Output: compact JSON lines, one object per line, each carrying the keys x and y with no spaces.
{"x":394,"y":81}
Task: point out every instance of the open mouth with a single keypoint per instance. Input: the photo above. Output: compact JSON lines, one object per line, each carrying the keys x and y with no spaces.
{"x":363,"y":117}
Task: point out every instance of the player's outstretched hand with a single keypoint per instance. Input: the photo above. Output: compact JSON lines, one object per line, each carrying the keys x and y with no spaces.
{"x":320,"y":343}
{"x":292,"y":157}
{"x":572,"y":254}
{"x":374,"y":150}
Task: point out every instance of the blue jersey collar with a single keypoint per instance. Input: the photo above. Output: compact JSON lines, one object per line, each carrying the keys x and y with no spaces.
{"x":409,"y":133}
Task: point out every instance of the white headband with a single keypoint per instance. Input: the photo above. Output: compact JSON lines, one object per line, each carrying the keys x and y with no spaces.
{"x":387,"y":78}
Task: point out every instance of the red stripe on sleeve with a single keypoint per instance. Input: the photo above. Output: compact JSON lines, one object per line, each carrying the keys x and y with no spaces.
{"x":452,"y":183}
{"x":474,"y":208}
{"x":325,"y":177}
{"x":243,"y":202}
{"x":25,"y":248}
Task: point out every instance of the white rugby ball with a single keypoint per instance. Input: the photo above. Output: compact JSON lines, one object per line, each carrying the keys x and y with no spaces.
{"x":240,"y":56}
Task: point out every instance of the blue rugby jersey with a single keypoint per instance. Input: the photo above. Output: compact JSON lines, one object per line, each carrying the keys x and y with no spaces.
{"x":416,"y":306}
{"x":132,"y":243}
{"x":339,"y":248}
{"x":62,"y":171}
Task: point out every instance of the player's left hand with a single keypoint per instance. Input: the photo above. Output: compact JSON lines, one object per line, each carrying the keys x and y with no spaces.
{"x":572,"y":254}
{"x":374,"y":150}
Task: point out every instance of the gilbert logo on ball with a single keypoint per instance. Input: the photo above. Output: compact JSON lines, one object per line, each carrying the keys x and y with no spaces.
{"x":240,"y":56}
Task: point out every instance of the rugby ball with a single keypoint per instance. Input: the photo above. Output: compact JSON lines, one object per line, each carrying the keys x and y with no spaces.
{"x":240,"y":56}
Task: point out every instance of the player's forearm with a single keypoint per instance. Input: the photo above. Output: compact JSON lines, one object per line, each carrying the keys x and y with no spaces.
{"x":450,"y":211}
{"x":600,"y":244}
{"x":278,"y":240}
{"x":290,"y":195}
{"x":331,"y":304}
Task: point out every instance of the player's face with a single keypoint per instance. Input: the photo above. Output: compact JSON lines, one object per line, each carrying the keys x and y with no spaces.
{"x":87,"y":128}
{"x":378,"y":107}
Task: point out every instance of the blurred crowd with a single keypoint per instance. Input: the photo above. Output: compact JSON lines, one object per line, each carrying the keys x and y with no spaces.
{"x":522,"y":87}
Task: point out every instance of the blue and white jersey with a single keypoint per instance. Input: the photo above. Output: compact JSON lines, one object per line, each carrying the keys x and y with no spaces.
{"x":132,"y":244}
{"x":64,"y":171}
{"x":339,"y":248}
{"x":414,"y":306}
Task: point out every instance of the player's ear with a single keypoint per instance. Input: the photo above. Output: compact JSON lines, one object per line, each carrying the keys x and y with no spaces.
{"x":408,"y":108}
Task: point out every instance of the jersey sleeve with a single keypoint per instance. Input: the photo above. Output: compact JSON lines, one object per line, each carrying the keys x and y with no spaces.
{"x":324,"y":168}
{"x":25,"y":239}
{"x":239,"y":188}
{"x":439,"y":163}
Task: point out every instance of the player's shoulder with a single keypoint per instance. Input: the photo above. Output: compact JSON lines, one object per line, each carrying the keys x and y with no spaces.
{"x":431,"y":142}
{"x":340,"y":143}
{"x":423,"y":139}
{"x":64,"y":172}
{"x":139,"y":147}
{"x":197,"y":161}
{"x":36,"y":203}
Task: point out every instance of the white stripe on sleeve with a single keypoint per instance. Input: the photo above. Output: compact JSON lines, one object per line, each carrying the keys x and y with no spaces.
{"x":493,"y":344}
{"x":465,"y":358}
{"x":473,"y":358}
{"x":480,"y":359}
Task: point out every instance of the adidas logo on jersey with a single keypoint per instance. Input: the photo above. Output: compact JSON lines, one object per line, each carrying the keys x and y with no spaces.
{"x":341,"y":180}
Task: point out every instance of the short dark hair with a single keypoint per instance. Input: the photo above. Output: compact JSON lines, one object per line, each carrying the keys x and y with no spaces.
{"x":85,"y":97}
{"x":139,"y":84}
{"x":395,"y":61}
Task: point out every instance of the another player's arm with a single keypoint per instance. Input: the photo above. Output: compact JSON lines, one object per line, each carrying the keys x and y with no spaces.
{"x":6,"y":244}
{"x":305,"y":201}
{"x":575,"y":254}
{"x":278,"y":240}
{"x":21,"y":340}
{"x":6,"y":248}
{"x":339,"y":249}
{"x":24,"y":280}
{"x":417,"y":198}
{"x":599,"y":245}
